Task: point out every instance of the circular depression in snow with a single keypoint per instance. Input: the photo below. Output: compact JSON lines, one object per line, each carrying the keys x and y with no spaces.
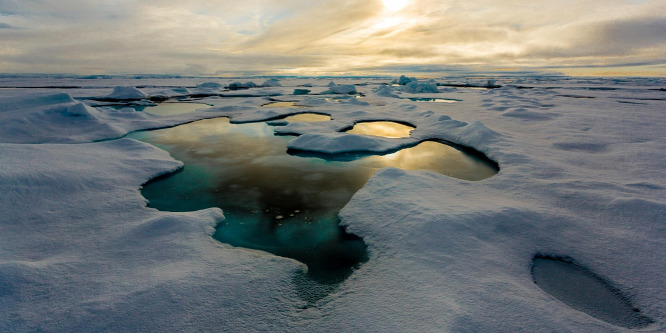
{"x":583,"y":290}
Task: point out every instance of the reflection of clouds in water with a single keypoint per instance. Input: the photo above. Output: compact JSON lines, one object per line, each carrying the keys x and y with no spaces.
{"x":387,"y":129}
{"x":277,"y":202}
{"x":253,"y":151}
{"x":433,"y":156}
{"x":308,"y":117}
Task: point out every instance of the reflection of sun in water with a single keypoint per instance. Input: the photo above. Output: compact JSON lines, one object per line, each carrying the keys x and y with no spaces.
{"x":395,"y":5}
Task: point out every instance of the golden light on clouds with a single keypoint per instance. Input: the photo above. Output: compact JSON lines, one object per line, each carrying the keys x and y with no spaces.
{"x":305,"y":37}
{"x":395,"y":5}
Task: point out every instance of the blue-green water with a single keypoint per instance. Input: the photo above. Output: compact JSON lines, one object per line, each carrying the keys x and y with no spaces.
{"x":280,"y":203}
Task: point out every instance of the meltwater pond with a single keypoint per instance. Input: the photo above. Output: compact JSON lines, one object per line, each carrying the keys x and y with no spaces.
{"x":387,"y":129}
{"x":280,"y":203}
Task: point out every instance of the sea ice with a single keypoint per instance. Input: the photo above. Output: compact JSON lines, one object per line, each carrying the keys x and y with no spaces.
{"x":580,"y":177}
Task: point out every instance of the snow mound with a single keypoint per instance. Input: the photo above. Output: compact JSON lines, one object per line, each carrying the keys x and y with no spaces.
{"x":271,"y":83}
{"x":50,"y":118}
{"x":336,"y":143}
{"x":122,"y":93}
{"x":58,"y":118}
{"x":208,"y":88}
{"x":385,"y":91}
{"x":343,"y":89}
{"x":476,"y":132}
{"x":416,"y":87}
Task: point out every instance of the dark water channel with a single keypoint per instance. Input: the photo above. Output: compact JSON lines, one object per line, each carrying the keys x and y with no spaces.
{"x":280,"y":203}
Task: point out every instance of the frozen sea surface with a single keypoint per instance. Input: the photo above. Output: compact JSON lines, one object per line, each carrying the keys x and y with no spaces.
{"x":581,"y":177}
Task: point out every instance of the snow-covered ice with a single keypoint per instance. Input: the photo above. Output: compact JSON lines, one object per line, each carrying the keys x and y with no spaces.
{"x":415,"y":86}
{"x":579,"y":178}
{"x":271,"y":83}
{"x":342,"y":89}
{"x":126,"y":93}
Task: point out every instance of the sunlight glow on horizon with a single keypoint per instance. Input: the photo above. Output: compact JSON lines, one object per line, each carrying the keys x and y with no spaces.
{"x":326,"y":38}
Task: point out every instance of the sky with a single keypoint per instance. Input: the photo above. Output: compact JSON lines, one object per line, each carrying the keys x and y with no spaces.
{"x":323,"y":37}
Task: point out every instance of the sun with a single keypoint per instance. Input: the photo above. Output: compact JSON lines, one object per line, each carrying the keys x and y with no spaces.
{"x":395,"y":5}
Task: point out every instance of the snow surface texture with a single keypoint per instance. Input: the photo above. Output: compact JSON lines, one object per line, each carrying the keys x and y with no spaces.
{"x":580,"y":177}
{"x":58,"y":118}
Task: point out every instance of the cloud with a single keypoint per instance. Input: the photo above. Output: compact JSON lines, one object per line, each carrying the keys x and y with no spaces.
{"x":320,"y":36}
{"x":604,"y":43}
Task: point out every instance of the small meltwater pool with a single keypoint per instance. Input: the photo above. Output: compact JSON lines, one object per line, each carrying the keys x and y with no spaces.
{"x":387,"y":129}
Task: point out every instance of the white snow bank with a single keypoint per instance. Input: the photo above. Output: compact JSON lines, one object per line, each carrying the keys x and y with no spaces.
{"x":126,"y":93}
{"x":335,"y":143}
{"x":58,"y":118}
{"x":81,"y":252}
{"x":51,"y":118}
